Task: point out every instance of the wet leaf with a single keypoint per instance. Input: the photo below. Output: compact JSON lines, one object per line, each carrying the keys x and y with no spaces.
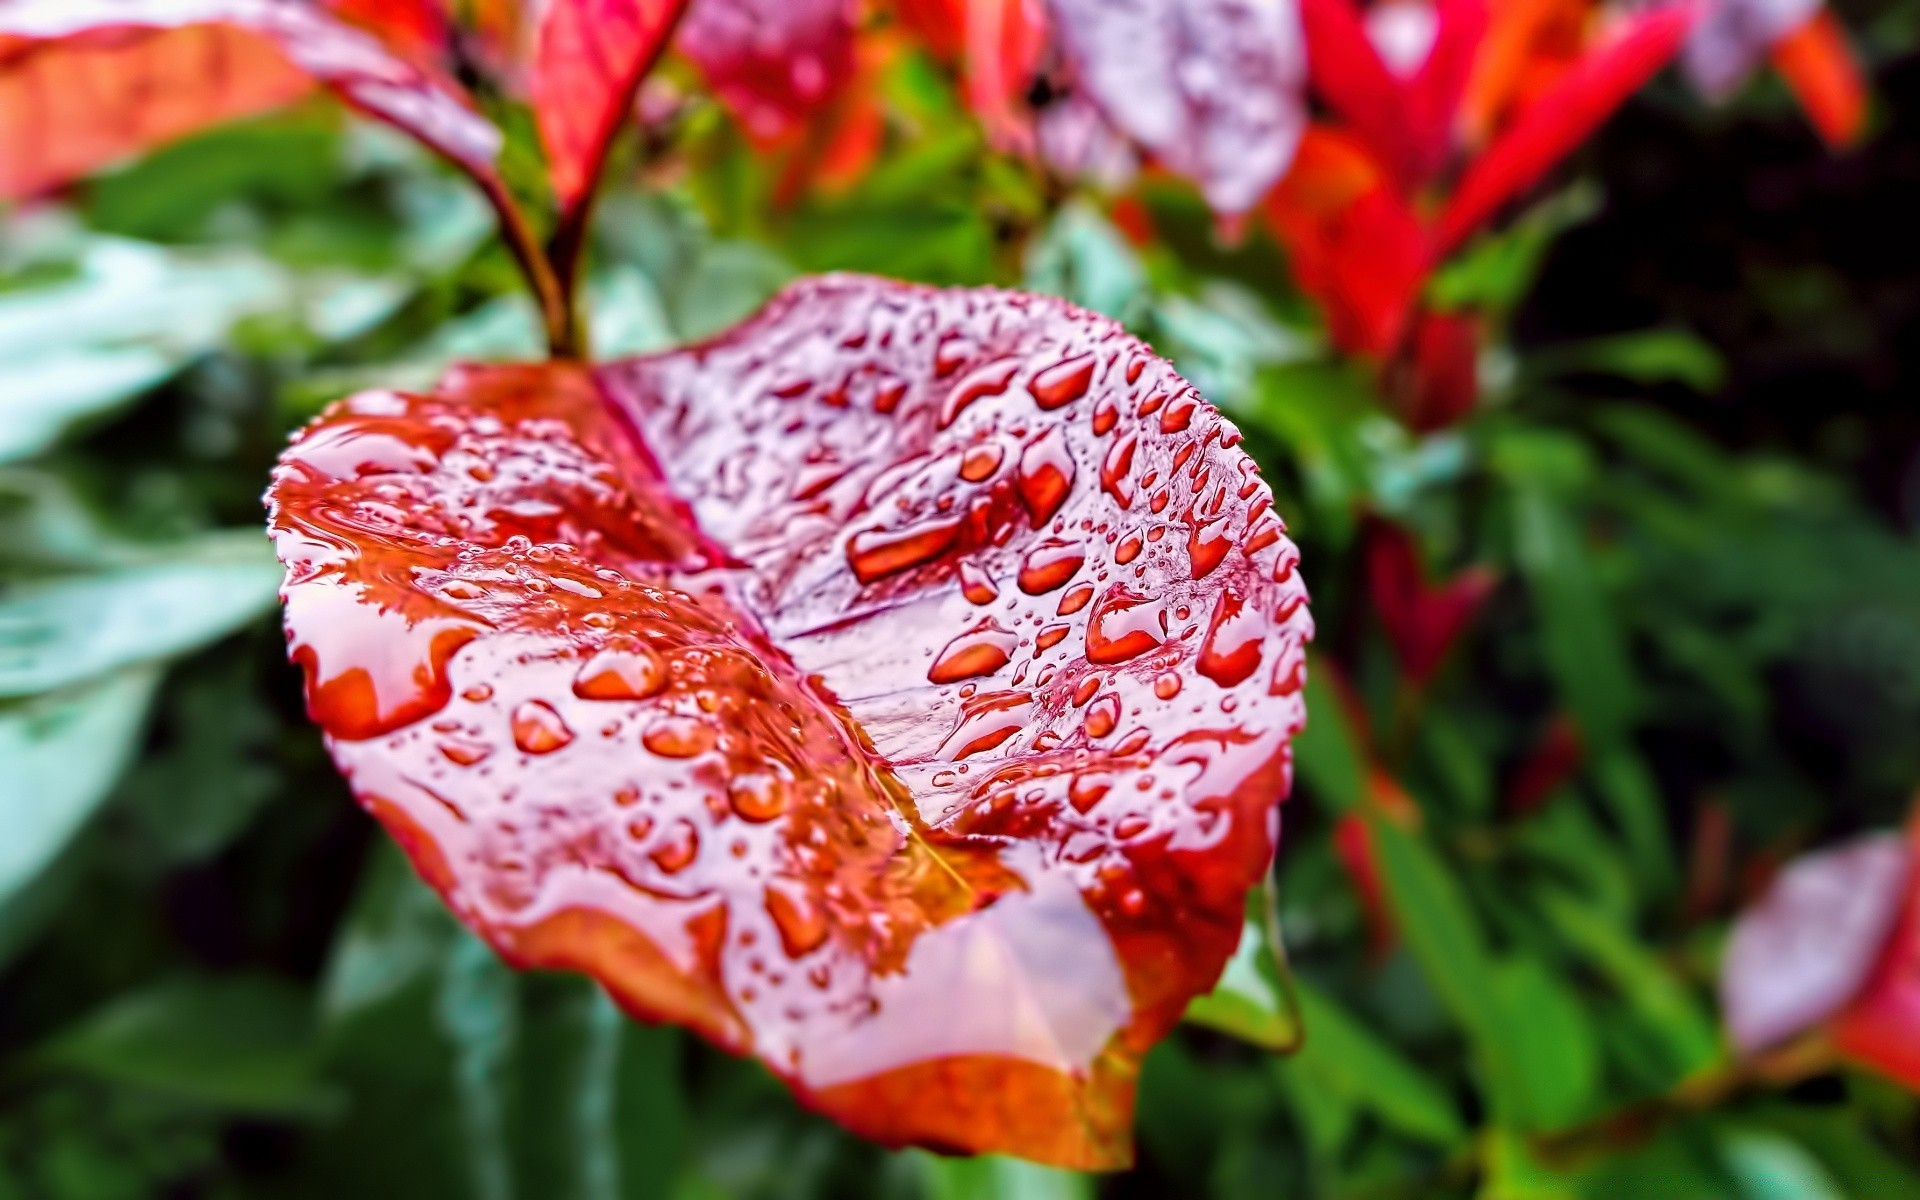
{"x":1805,"y":948}
{"x":78,"y":77}
{"x":1213,"y":89}
{"x":905,"y":706}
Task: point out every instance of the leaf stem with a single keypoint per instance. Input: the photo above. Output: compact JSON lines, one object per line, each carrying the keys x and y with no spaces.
{"x":557,"y":311}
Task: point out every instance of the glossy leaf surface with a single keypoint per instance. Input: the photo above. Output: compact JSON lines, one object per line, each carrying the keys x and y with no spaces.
{"x":79,"y":80}
{"x":1802,"y":953}
{"x":906,"y":704}
{"x":590,"y":59}
{"x":773,"y":62}
{"x":1213,"y":89}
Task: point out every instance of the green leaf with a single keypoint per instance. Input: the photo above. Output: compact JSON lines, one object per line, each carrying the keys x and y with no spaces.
{"x":1513,"y":1173}
{"x":129,"y":315}
{"x":1584,"y":650}
{"x":242,"y":1043}
{"x":1672,"y":1011}
{"x":62,"y":753}
{"x":1326,"y":752}
{"x":1081,"y":257}
{"x":991,"y":1177}
{"x":1343,"y":1056}
{"x":1553,"y":1043}
{"x":1648,"y":356}
{"x":61,"y":631}
{"x":1440,"y":927}
{"x":1245,"y":1003}
{"x":1767,"y":1166}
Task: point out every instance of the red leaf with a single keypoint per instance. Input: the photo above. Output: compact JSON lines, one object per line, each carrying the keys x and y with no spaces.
{"x":1439,"y":383}
{"x":1434,"y":95}
{"x":417,"y":28}
{"x":1877,"y":1029}
{"x":587,"y":66}
{"x":1546,"y":769}
{"x":773,"y":62}
{"x":1560,"y":119}
{"x":1355,"y":245}
{"x":1349,"y":74}
{"x":1213,"y":89}
{"x":1421,"y":621}
{"x":897,"y":689}
{"x":83,"y":82}
{"x":1800,"y":954}
{"x":1819,"y":66}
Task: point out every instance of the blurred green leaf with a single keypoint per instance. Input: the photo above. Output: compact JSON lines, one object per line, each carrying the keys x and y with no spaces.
{"x":64,"y":630}
{"x":994,"y":1178}
{"x":1647,"y":356}
{"x":62,"y":752}
{"x":1343,"y":1056}
{"x":1081,"y":257}
{"x":1770,"y":1167}
{"x":1582,"y":644}
{"x":237,"y":1042}
{"x":1552,"y":1041}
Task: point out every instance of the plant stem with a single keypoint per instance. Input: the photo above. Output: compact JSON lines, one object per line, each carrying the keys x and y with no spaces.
{"x":556,"y":304}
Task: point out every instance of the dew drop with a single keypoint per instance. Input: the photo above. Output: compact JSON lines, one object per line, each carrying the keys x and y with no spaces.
{"x":802,"y":925}
{"x":875,"y":554}
{"x":1167,"y":686}
{"x":621,"y":674}
{"x":1178,"y":414}
{"x":1116,"y":470}
{"x":680,"y":847}
{"x":1050,"y":637}
{"x":1075,"y":599}
{"x":981,"y":650}
{"x":1102,"y":715}
{"x":1123,"y":626}
{"x":976,"y":585}
{"x":464,"y":752}
{"x":1049,"y":565}
{"x":1064,"y":382}
{"x":675,"y":736}
{"x":980,"y":462}
{"x":1045,"y":476}
{"x":1105,"y":416}
{"x":757,"y":796}
{"x":1207,"y":546}
{"x":1232,"y":649}
{"x":538,"y":729}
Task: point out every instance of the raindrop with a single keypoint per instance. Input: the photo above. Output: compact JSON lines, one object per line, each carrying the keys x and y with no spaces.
{"x":538,"y":729}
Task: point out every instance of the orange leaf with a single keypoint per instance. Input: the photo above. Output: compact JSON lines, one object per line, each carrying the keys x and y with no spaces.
{"x":896,"y":689}
{"x":1819,"y":66}
{"x":1562,"y":117}
{"x":1355,"y":245}
{"x":83,"y":82}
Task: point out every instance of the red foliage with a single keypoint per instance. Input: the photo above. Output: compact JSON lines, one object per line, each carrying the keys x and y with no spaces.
{"x":1422,"y":620}
{"x":1353,"y":213}
{"x":587,"y":66}
{"x":897,"y":689}
{"x":773,"y":62}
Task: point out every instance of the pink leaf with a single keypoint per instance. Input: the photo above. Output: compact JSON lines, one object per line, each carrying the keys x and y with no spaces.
{"x":1213,"y":89}
{"x":772,"y":61}
{"x":1799,"y":955}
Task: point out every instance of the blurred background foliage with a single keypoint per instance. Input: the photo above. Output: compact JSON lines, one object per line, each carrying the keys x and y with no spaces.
{"x":1689,"y":498}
